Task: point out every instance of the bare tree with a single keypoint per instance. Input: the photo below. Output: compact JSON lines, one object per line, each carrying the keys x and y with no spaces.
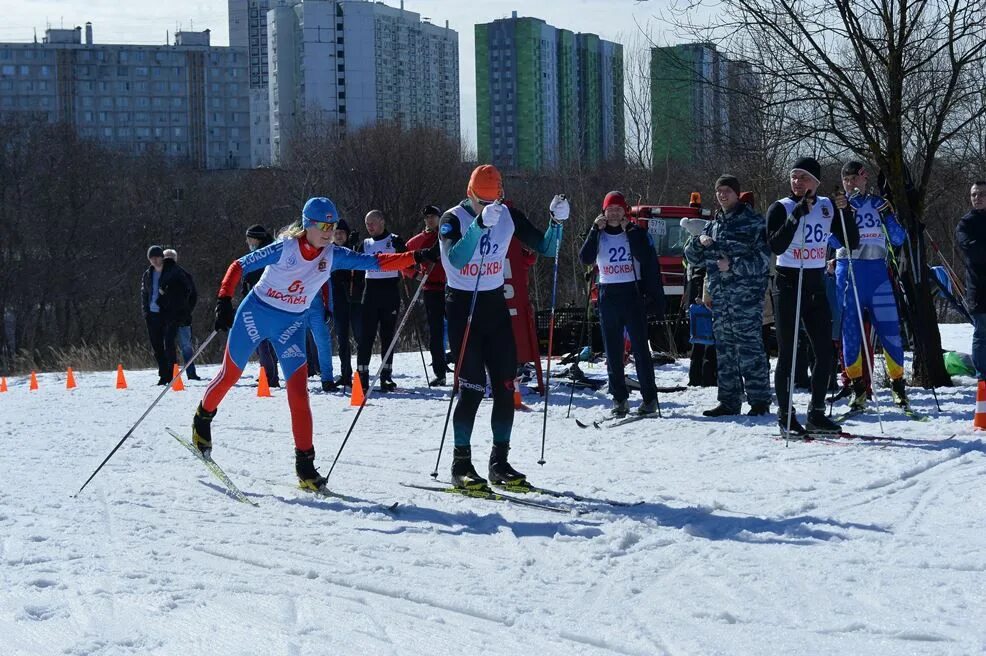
{"x":894,"y":82}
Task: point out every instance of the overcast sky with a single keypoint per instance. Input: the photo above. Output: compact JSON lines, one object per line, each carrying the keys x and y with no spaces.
{"x":147,"y":21}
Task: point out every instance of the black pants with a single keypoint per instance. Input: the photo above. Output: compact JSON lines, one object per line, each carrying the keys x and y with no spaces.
{"x":620,"y":308}
{"x":489,"y":350}
{"x":381,"y":301}
{"x":816,"y":320}
{"x":268,"y":360}
{"x":162,"y":331}
{"x":348,"y":320}
{"x":435,"y":313}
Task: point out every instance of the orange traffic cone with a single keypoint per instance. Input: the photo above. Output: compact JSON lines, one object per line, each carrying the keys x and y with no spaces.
{"x":357,"y":398}
{"x":979,"y":421}
{"x":3,"y":384}
{"x":121,"y":380}
{"x":70,"y":379}
{"x":518,"y":401}
{"x":34,"y":382}
{"x":176,"y":384}
{"x":263,"y":387}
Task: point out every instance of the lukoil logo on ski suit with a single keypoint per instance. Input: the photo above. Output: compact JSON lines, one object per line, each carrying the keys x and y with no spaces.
{"x":290,"y":331}
{"x":251,"y":327}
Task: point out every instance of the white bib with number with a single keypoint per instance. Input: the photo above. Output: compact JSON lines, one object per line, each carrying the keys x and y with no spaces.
{"x":488,"y":256}
{"x":807,"y":249}
{"x":614,"y":260}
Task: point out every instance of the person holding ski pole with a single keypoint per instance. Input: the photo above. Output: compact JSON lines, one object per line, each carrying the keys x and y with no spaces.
{"x":621,"y":251}
{"x":868,"y":289}
{"x":733,"y":250}
{"x":298,"y":264}
{"x":433,"y":294}
{"x":798,"y":229}
{"x":474,"y":237}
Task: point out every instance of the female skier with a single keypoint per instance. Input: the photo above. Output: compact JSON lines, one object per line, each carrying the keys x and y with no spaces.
{"x":298,"y":265}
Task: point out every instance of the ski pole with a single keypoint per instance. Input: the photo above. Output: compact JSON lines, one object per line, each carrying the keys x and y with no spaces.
{"x":864,"y":346}
{"x":797,"y":334}
{"x":462,"y":352}
{"x":551,"y":338}
{"x":585,"y":320}
{"x":383,"y":361}
{"x":146,"y":412}
{"x":417,"y":332}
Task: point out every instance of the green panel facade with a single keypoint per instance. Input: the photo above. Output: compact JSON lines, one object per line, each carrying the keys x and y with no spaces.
{"x":672,"y":122}
{"x":484,"y":126}
{"x":591,"y":99}
{"x":527,"y":126}
{"x":619,"y":115}
{"x":568,"y":98}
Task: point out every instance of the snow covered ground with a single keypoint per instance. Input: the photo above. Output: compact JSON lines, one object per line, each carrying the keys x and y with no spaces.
{"x":741,"y":545}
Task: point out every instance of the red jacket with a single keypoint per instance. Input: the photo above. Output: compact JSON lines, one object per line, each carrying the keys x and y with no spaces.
{"x":436,"y":281}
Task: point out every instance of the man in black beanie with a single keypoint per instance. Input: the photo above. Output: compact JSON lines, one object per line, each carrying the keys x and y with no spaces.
{"x":798,"y":230}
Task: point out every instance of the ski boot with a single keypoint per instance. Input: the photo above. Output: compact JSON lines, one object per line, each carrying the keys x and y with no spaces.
{"x":308,"y":477}
{"x":899,"y":393}
{"x":463,"y":473}
{"x":330,"y":386}
{"x":437,"y":381}
{"x":344,"y":381}
{"x":648,"y":407}
{"x":501,"y":473}
{"x":797,"y":430}
{"x":387,"y":383}
{"x":818,"y":423}
{"x":721,"y":410}
{"x":859,"y":396}
{"x":202,"y":430}
{"x":758,"y":409}
{"x":843,"y":392}
{"x":620,"y":409}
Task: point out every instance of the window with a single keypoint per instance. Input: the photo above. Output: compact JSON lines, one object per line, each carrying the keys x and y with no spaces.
{"x":124,"y":56}
{"x":140,"y":71}
{"x":87,"y":101}
{"x":123,"y":101}
{"x":122,"y":71}
{"x":45,"y":71}
{"x":177,"y":132}
{"x":107,"y":132}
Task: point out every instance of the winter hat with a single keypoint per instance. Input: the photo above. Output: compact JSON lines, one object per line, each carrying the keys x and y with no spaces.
{"x":853,"y":167}
{"x":810,"y":166}
{"x":318,"y":210}
{"x":155,"y":251}
{"x":431,"y":210}
{"x":617,"y":199}
{"x":257,"y":231}
{"x":731,"y":181}
{"x":342,"y":225}
{"x":485,"y":183}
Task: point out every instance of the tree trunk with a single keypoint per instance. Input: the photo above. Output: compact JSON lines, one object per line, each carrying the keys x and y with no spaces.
{"x":929,"y":366}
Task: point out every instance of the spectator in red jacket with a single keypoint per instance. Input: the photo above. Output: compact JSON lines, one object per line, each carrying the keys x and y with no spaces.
{"x":433,"y":293}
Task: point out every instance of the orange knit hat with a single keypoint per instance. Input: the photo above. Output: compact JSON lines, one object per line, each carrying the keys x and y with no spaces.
{"x":485,"y":183}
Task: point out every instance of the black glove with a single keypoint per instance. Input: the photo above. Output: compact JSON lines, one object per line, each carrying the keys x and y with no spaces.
{"x":804,"y":205}
{"x":427,"y":255}
{"x":224,"y":313}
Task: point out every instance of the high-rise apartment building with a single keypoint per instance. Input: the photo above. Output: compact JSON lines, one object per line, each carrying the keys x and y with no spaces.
{"x":187,"y":100}
{"x":701,"y":105}
{"x":547,"y":97}
{"x":353,"y":63}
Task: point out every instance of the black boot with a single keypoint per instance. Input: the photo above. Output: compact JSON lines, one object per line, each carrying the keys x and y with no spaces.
{"x":899,"y":393}
{"x":620,"y":408}
{"x":202,"y":430}
{"x":387,"y":383}
{"x":464,"y":475}
{"x":759,"y":409}
{"x":330,"y":386}
{"x":308,"y":477}
{"x":501,"y":473}
{"x":797,"y":430}
{"x":818,"y":423}
{"x":344,"y":380}
{"x":859,"y":395}
{"x":721,"y":410}
{"x":437,"y":381}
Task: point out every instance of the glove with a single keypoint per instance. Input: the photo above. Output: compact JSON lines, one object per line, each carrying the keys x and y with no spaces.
{"x":559,"y":208}
{"x":224,"y":313}
{"x":427,"y":255}
{"x":492,"y":214}
{"x":804,"y":206}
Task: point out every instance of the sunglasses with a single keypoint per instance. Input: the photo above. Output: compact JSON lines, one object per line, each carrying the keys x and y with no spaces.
{"x":325,"y":227}
{"x":484,"y":203}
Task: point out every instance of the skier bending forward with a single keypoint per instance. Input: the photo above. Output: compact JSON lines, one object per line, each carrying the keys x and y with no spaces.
{"x":474,"y":238}
{"x":298,"y":265}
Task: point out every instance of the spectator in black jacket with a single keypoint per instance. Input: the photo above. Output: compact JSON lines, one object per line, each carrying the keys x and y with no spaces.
{"x":185,"y":320}
{"x":970,"y":235}
{"x":258,"y":237}
{"x":347,"y":303}
{"x":163,"y":295}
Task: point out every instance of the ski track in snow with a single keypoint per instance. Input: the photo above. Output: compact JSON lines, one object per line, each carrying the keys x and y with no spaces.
{"x":740,"y":544}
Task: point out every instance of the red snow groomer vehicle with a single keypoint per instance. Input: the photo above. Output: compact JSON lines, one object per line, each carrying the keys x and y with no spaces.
{"x":663,"y":223}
